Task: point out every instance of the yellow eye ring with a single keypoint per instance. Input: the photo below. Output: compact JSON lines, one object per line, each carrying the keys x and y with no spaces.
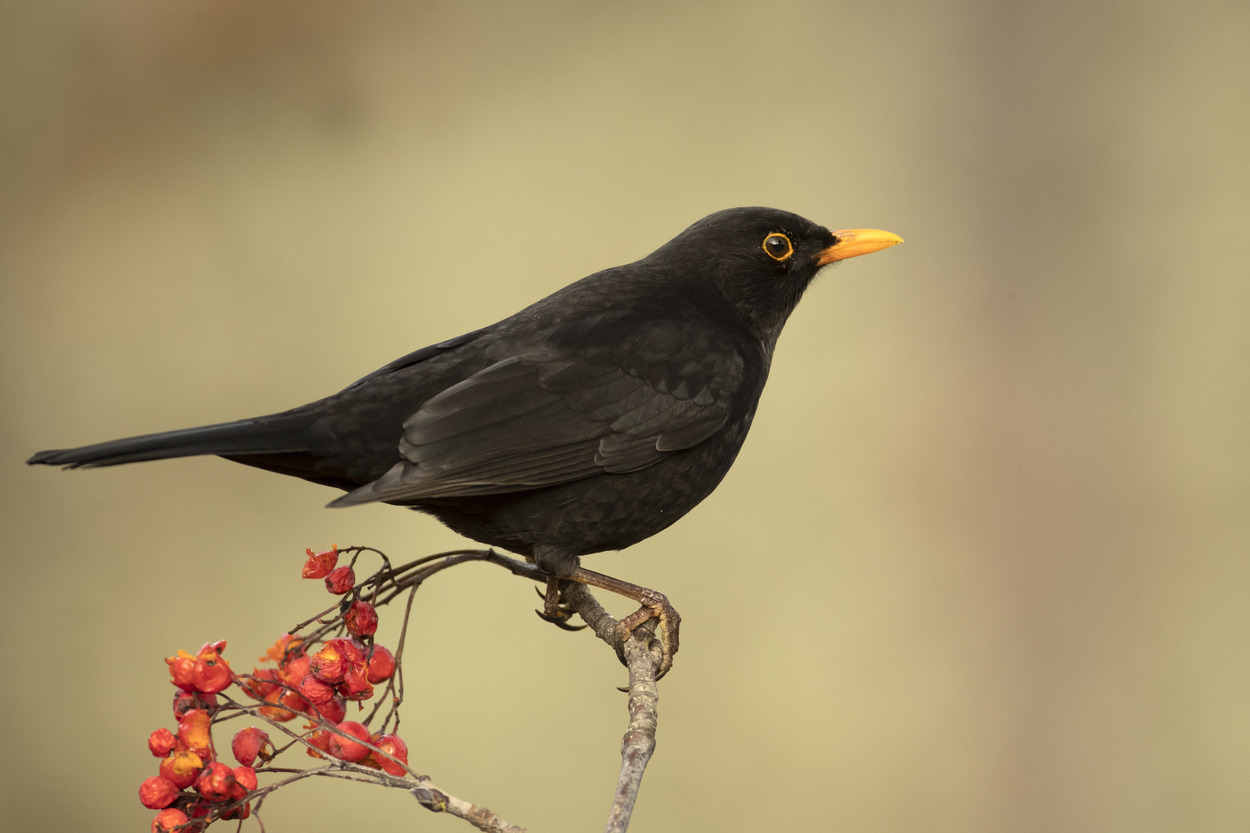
{"x":778,"y":247}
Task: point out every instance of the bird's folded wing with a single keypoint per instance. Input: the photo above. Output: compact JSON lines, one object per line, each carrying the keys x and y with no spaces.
{"x":547,"y":418}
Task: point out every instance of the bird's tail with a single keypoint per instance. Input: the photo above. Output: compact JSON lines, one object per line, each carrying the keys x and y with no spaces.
{"x":245,"y":437}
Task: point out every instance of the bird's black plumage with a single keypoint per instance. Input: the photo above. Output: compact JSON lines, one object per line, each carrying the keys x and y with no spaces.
{"x":588,"y":421}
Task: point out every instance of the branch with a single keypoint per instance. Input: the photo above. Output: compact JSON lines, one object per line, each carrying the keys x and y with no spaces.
{"x":435,"y":800}
{"x":425,"y":791}
{"x":639,"y":741}
{"x":640,"y":651}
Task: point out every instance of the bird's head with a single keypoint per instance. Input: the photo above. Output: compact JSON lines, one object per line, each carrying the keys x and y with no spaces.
{"x":762,"y":259}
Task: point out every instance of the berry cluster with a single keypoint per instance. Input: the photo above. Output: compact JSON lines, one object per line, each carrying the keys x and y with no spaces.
{"x":193,"y":788}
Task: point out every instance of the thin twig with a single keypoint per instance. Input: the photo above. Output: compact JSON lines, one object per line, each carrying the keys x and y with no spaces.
{"x":432,"y":798}
{"x":424,"y":790}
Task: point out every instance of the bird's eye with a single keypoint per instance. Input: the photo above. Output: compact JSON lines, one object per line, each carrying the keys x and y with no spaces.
{"x":778,"y":247}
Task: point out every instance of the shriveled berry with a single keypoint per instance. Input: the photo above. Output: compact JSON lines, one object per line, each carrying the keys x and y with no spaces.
{"x":341,"y":580}
{"x":319,"y":564}
{"x":355,"y":686}
{"x":315,"y":691}
{"x":329,"y":665}
{"x":361,"y":619}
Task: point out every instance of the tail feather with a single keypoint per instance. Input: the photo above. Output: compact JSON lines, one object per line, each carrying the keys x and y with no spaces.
{"x":228,"y":438}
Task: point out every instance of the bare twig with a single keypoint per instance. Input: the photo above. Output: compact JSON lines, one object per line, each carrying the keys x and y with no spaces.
{"x":432,"y":798}
{"x":639,"y":741}
{"x":422,"y":788}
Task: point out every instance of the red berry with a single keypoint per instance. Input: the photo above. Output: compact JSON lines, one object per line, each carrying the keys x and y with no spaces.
{"x":294,"y":670}
{"x":315,"y":691}
{"x":332,"y":711}
{"x":212,"y":673}
{"x":195,"y":730}
{"x":182,"y":767}
{"x":294,"y":702}
{"x":158,"y":792}
{"x":351,"y":649}
{"x":248,"y":743}
{"x":182,"y":670}
{"x":319,"y":564}
{"x":161,"y":742}
{"x":329,"y":665}
{"x":355,"y":686}
{"x":344,"y":748}
{"x":264,"y":682}
{"x":167,"y":820}
{"x":317,"y":743}
{"x":185,"y":701}
{"x":393,"y":745}
{"x":216,"y":783}
{"x":341,"y":580}
{"x":245,"y":776}
{"x":361,"y":619}
{"x":381,"y":664}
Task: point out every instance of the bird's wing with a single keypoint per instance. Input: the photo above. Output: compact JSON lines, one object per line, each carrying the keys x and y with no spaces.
{"x":556,"y":415}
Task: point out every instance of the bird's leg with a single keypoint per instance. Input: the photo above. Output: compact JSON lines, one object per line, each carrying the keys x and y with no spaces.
{"x":655,"y":605}
{"x":562,"y":565}
{"x":557,"y":563}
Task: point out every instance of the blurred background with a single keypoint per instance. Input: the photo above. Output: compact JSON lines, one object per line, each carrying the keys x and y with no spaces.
{"x":982,"y":565}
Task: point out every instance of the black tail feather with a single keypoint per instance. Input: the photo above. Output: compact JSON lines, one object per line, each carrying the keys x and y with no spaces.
{"x":228,"y":438}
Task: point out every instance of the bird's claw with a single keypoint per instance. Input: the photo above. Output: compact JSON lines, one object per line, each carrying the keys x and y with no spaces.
{"x":560,"y":620}
{"x":555,"y":609}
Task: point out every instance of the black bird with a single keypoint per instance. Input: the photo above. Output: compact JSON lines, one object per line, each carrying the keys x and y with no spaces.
{"x":586,"y":422}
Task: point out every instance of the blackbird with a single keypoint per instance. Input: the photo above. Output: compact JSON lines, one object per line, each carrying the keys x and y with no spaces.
{"x":586,"y":422}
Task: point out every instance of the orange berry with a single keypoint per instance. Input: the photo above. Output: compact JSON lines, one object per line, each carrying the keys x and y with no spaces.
{"x":158,"y":792}
{"x":182,"y":767}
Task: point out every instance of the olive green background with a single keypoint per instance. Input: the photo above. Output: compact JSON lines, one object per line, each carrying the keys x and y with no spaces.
{"x":982,"y":565}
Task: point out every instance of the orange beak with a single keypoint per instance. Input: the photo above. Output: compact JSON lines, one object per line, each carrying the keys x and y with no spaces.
{"x":853,"y":242}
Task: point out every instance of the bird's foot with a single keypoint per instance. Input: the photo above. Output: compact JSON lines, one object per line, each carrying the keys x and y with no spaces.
{"x":556,"y":609}
{"x":654,"y":605}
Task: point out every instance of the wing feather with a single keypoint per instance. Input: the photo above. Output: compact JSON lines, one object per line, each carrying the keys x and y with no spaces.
{"x":555,"y":416}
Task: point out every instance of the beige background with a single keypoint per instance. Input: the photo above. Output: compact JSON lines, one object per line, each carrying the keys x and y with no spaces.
{"x":982,"y":565}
